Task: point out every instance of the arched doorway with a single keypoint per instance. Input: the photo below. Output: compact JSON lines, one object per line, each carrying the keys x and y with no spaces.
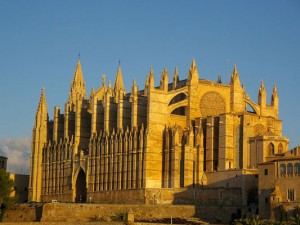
{"x":81,"y":187}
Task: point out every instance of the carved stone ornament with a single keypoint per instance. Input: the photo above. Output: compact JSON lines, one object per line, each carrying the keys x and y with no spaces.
{"x":212,"y":104}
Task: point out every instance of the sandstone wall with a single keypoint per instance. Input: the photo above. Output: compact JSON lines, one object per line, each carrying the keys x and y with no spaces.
{"x":83,"y":212}
{"x":23,"y":213}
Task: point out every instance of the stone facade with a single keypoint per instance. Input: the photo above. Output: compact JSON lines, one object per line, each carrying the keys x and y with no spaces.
{"x":20,"y":193}
{"x":279,"y":182}
{"x":184,"y":141}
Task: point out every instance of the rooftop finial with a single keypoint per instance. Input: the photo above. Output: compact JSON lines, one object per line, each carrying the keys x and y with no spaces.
{"x":119,"y":62}
{"x":79,"y":56}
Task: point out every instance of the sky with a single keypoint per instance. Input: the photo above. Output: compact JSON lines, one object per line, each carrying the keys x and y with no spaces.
{"x":40,"y":42}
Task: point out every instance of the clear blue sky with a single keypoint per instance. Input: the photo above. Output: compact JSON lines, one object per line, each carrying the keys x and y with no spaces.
{"x":40,"y":41}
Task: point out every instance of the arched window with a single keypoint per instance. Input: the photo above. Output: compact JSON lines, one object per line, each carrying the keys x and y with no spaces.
{"x":297,"y":169}
{"x":282,"y":169}
{"x":290,"y":169}
{"x":280,"y":148}
{"x":271,"y":149}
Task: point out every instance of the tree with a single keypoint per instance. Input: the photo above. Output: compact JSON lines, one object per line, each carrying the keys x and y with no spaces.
{"x":6,"y":188}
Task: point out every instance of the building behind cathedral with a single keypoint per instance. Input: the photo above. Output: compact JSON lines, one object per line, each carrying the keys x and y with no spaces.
{"x":181,"y":142}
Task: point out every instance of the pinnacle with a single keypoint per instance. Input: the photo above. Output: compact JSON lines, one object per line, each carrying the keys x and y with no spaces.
{"x":119,"y":85}
{"x":77,"y":90}
{"x":262,"y":86}
{"x":274,"y":89}
{"x":42,"y":102}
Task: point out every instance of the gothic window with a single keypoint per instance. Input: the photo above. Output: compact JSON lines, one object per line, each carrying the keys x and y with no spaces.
{"x":212,"y":104}
{"x":271,"y":148}
{"x":290,"y":169}
{"x":282,"y":170}
{"x":280,"y":148}
{"x":297,"y":169}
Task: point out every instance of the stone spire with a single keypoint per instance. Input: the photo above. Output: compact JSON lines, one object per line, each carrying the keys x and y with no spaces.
{"x":262,"y":96}
{"x":164,"y":80}
{"x":175,"y":78}
{"x":103,"y":80}
{"x":274,"y":98}
{"x":134,"y":89}
{"x":42,"y":107}
{"x":235,"y":79}
{"x":151,"y":78}
{"x":39,"y":139}
{"x":193,"y":75}
{"x":119,"y":85}
{"x":92,"y":92}
{"x":118,"y":89}
{"x":236,"y":93}
{"x":77,"y":91}
{"x":219,"y":81}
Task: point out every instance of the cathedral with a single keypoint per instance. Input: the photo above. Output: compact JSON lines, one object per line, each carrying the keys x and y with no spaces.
{"x":183,"y":141}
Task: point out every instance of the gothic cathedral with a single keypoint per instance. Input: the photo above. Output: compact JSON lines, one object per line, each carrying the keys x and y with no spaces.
{"x":179,"y":142}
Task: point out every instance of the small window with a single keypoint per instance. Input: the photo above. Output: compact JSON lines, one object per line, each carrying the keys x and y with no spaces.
{"x":266,"y":171}
{"x":266,"y":200}
{"x":290,"y":169}
{"x":282,"y":169}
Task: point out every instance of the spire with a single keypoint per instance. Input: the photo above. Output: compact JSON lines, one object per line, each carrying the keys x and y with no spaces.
{"x":77,"y":91}
{"x":134,"y":89}
{"x":275,"y":90}
{"x":146,"y":86}
{"x":175,"y":78}
{"x":262,"y":87}
{"x":262,"y":100}
{"x":151,"y":78}
{"x":164,"y":80}
{"x":92,"y":92}
{"x":235,"y":76}
{"x":42,"y":108}
{"x":219,"y":79}
{"x":274,"y":98}
{"x":103,"y":80}
{"x":119,"y":85}
{"x":193,"y":73}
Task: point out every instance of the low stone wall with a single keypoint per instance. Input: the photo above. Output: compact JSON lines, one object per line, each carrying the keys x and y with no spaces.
{"x":23,"y":213}
{"x":216,"y":214}
{"x":84,"y":212}
{"x":63,"y":223}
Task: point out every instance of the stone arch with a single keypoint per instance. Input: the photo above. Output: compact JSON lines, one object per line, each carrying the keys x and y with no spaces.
{"x":254,"y":106}
{"x":178,"y":98}
{"x":177,"y":105}
{"x":282,"y":169}
{"x":174,"y":95}
{"x":271,"y":149}
{"x":79,"y":185}
{"x":290,"y":169}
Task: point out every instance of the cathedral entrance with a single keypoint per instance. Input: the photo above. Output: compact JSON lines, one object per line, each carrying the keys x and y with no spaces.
{"x":81,"y":187}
